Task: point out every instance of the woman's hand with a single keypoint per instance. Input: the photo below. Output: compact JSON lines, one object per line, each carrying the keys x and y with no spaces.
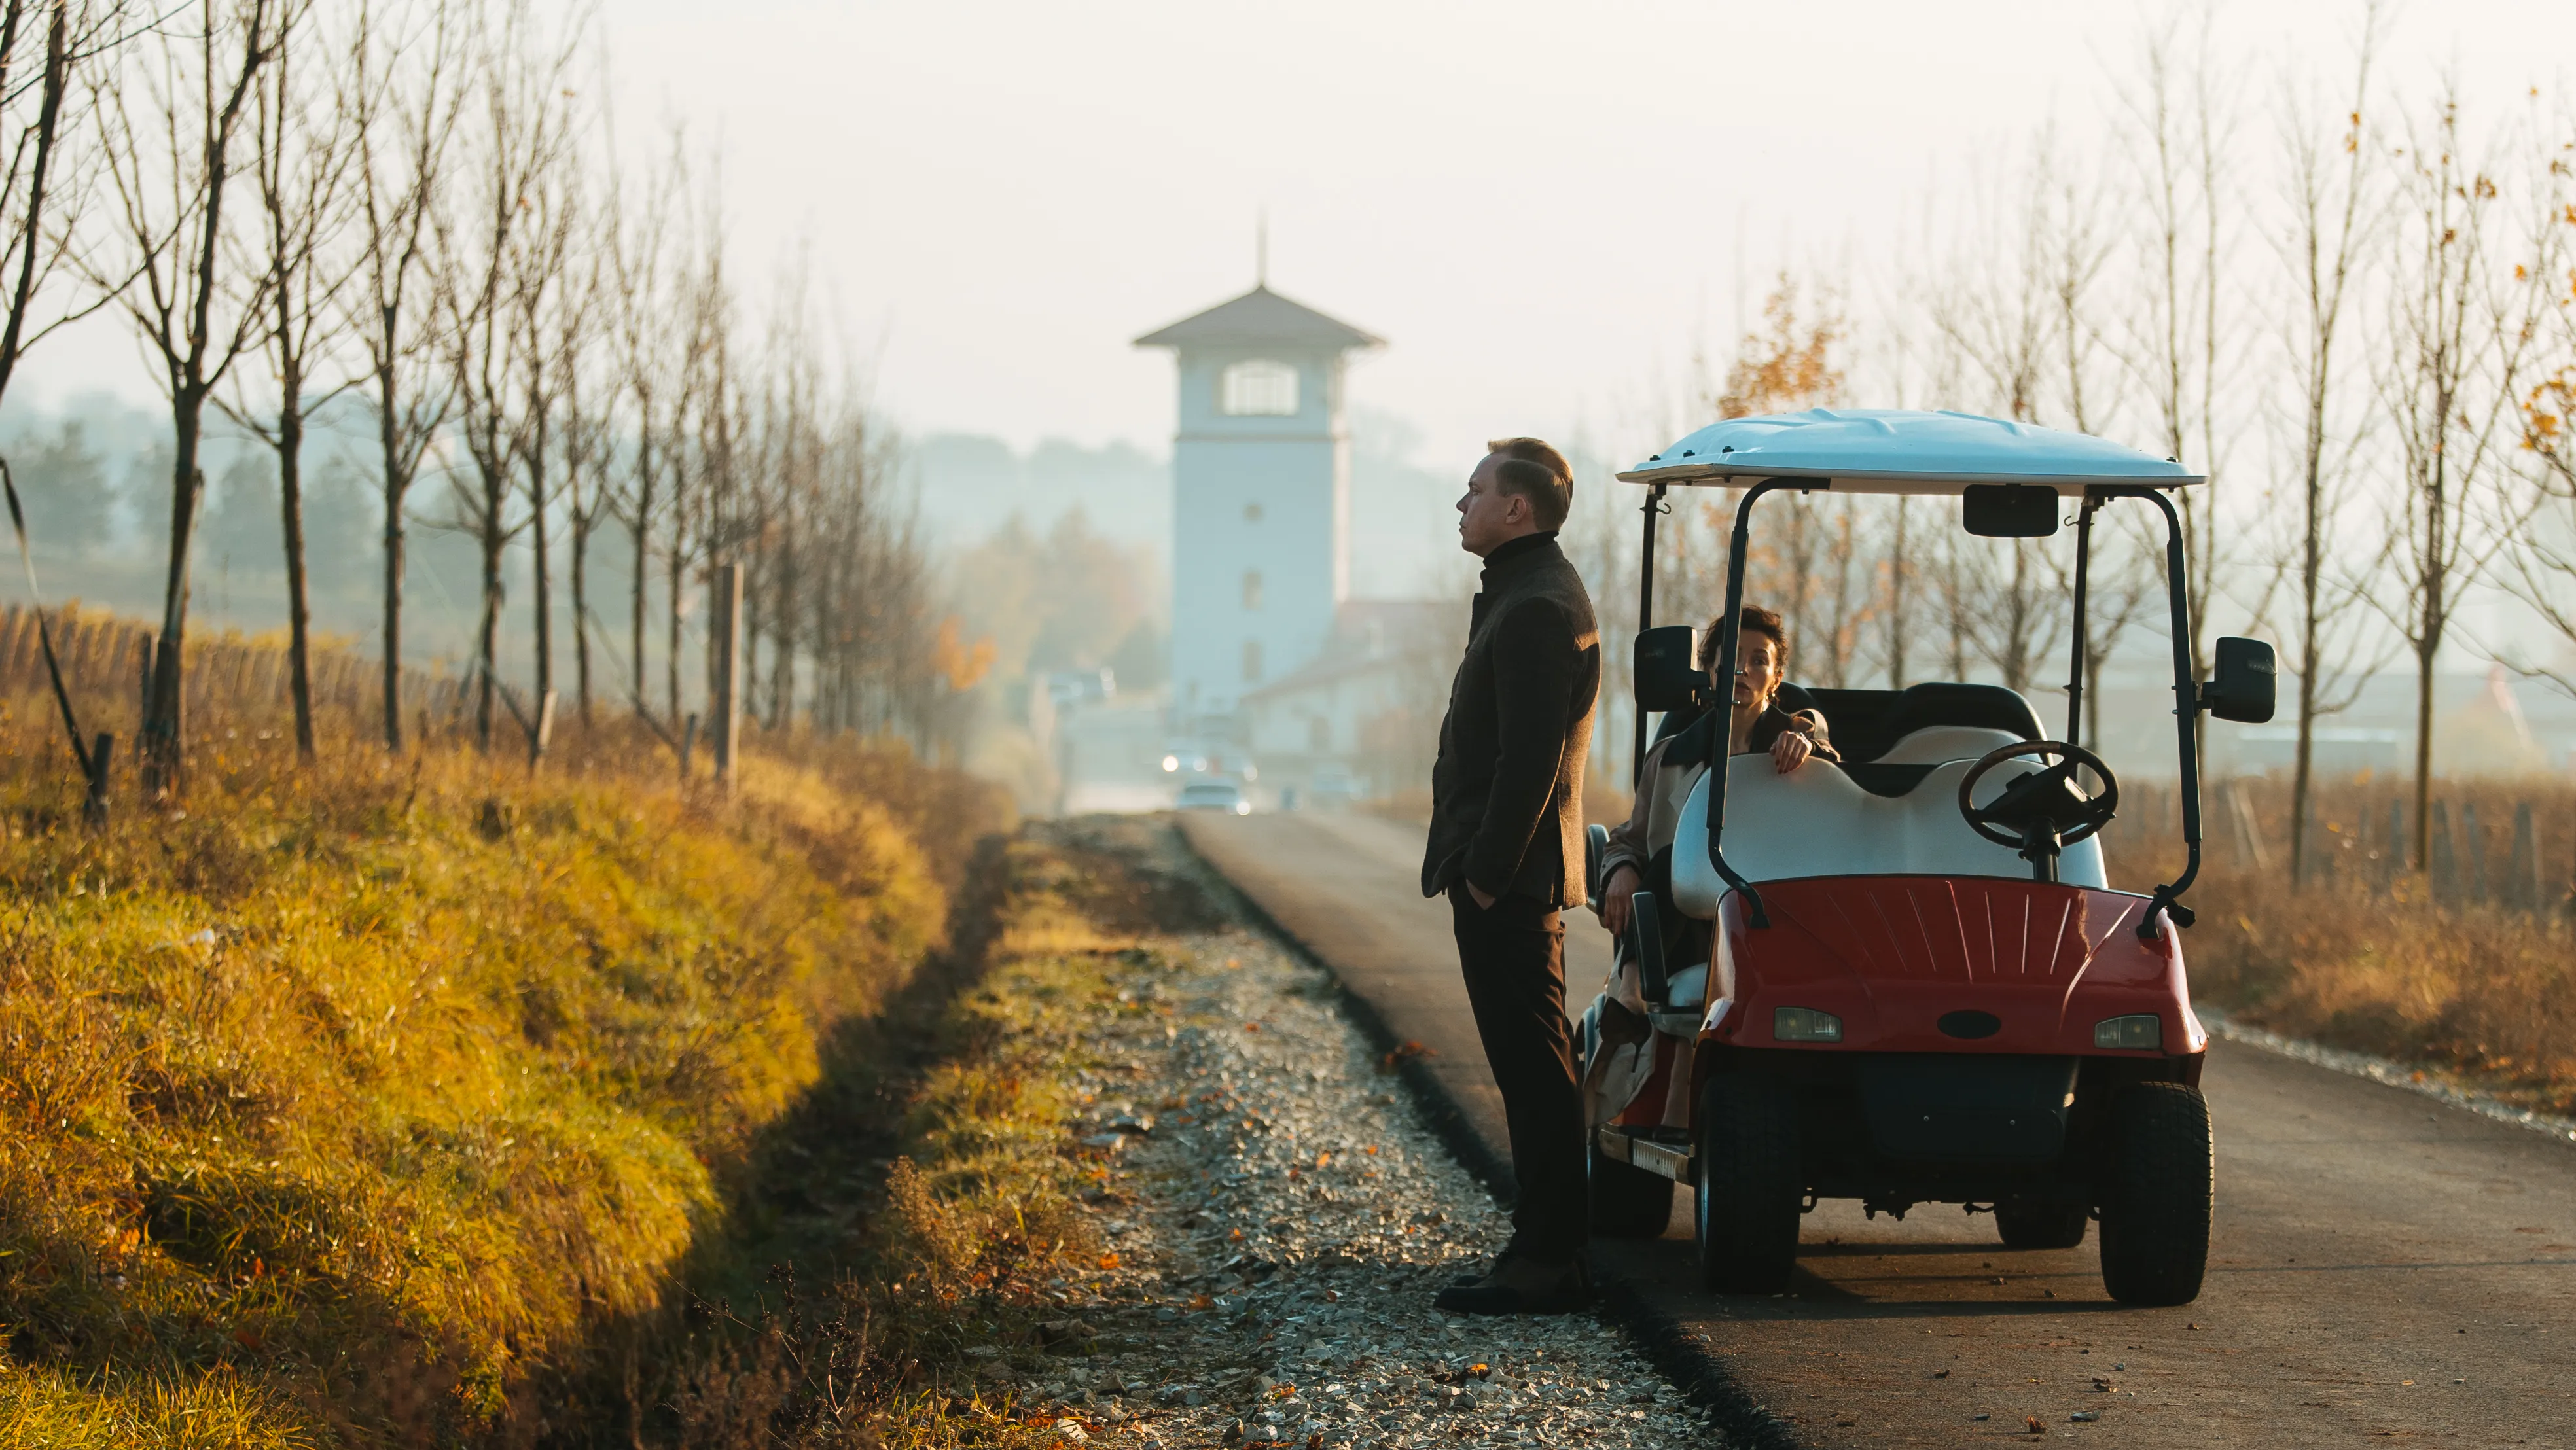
{"x":1617,"y":894}
{"x":1791,"y":750}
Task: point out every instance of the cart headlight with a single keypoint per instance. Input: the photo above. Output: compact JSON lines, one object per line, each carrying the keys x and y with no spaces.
{"x":2145,"y":1031}
{"x":1805,"y":1024}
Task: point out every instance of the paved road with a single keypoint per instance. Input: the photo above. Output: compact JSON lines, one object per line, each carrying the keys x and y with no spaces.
{"x":2384,"y":1267}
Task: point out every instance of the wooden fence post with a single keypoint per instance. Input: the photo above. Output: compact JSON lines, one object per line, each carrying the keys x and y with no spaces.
{"x":2476,"y":841}
{"x":102,"y":757}
{"x":2392,"y":855}
{"x":2446,"y":865}
{"x":2522,"y":875}
{"x":544,"y":734}
{"x":724,"y":636}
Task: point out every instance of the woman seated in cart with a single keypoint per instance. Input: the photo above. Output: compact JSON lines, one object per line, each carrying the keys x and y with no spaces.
{"x":1760,"y":722}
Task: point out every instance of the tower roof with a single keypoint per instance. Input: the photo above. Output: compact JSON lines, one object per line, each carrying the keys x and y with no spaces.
{"x":1260,"y":316}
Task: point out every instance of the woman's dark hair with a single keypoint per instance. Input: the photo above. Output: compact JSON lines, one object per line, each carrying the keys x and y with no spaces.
{"x":1754,"y":619}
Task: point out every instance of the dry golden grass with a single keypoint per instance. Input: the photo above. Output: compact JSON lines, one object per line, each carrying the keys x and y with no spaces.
{"x":2367,"y":958}
{"x":339,"y":1101}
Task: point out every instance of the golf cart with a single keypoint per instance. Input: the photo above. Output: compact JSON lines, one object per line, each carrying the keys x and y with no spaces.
{"x":1904,"y":977}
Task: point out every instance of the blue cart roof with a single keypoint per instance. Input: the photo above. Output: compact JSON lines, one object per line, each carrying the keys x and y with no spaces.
{"x":1891,"y":450}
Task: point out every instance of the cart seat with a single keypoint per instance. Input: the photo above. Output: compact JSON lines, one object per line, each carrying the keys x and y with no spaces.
{"x":1823,"y":823}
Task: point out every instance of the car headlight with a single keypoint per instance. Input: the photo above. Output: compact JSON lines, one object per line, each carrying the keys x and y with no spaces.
{"x":1171,"y":763}
{"x":1243,"y":808}
{"x":2142,"y":1031}
{"x":1805,"y":1024}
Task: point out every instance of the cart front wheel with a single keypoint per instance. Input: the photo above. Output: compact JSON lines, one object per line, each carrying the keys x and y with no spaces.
{"x":2157,"y":1194}
{"x":1746,"y":1171}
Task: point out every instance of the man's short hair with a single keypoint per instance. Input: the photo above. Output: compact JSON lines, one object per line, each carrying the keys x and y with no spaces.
{"x":1754,"y":619}
{"x":1535,"y":471}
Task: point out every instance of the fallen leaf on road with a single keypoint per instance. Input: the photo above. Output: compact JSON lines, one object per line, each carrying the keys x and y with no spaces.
{"x":1391,"y":1061}
{"x":2036,"y":1427}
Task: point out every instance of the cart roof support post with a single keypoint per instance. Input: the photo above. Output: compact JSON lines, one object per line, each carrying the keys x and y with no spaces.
{"x":1729,"y":625}
{"x":2167,"y":899}
{"x":2083,"y":631}
{"x":1645,"y":621}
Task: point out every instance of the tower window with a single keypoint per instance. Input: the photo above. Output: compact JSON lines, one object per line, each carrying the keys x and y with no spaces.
{"x":1251,"y":661}
{"x":1252,"y":589}
{"x":1258,"y":388}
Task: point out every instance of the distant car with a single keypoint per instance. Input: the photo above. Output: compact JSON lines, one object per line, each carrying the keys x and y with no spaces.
{"x":1215,"y":795}
{"x":1332,"y":789}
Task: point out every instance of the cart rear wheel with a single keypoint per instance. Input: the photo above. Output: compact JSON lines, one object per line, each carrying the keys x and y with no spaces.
{"x":2041,"y":1225}
{"x":2156,"y":1195}
{"x":1627,"y":1201}
{"x":1749,"y":1186}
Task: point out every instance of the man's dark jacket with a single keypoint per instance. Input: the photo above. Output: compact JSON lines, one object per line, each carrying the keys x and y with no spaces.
{"x":1507,"y":791}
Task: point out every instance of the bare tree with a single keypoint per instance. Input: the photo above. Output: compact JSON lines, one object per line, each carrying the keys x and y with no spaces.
{"x":2000,"y":310}
{"x":402,"y":96}
{"x":55,"y":40}
{"x":2335,"y":209}
{"x":550,"y":318}
{"x":2538,"y":566}
{"x":301,"y":153}
{"x":642,"y":268}
{"x":519,"y":137}
{"x":171,"y":119}
{"x":588,"y":448}
{"x":2460,"y":333}
{"x":2178,"y":352}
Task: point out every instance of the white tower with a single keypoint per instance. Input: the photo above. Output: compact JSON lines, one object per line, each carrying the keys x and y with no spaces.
{"x":1261,"y":495}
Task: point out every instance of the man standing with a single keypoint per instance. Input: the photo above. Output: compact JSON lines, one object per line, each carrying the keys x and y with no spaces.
{"x":1507,"y":846}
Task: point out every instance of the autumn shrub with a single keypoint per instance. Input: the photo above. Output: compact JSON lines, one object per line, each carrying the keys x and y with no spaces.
{"x":2466,"y":965}
{"x":336,"y":1098}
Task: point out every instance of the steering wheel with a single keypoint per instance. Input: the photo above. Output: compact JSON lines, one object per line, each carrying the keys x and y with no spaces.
{"x":2045,"y":805}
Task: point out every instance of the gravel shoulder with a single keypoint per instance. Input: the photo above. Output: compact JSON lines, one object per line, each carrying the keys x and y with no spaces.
{"x":1277,"y":1216}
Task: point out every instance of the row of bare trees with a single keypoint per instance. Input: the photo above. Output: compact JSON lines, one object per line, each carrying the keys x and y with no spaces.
{"x":2351,"y":304}
{"x":419,"y":212}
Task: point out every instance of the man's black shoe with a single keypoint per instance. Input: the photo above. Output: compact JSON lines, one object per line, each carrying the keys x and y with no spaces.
{"x":1521,"y":1285}
{"x":1501,"y":1257}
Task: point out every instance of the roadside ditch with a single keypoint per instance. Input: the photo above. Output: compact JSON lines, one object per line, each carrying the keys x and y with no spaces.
{"x":1157,"y":1191}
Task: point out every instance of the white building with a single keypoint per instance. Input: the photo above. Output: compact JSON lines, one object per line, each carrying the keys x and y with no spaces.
{"x":1369,"y":704}
{"x":1260,"y":498}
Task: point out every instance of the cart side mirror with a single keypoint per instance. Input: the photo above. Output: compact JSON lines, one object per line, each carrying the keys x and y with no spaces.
{"x":2008,"y":510}
{"x":1667,"y":668}
{"x":2240,"y":684}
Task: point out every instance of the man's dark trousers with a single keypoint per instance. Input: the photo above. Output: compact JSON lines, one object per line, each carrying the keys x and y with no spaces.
{"x":1513,"y":954}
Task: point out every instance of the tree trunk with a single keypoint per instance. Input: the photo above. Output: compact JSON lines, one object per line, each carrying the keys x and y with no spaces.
{"x":542,"y":565}
{"x":395,"y":486}
{"x":581,"y":521}
{"x":487,"y":635}
{"x":163,"y":726}
{"x":290,"y":502}
{"x":676,"y":568}
{"x":782,"y":664}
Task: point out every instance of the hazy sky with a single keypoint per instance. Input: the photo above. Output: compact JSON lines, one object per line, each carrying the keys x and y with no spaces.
{"x":1538,"y":204}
